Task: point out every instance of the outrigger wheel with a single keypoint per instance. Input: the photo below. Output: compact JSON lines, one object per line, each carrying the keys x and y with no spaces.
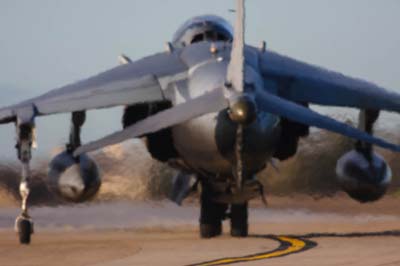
{"x":24,"y":228}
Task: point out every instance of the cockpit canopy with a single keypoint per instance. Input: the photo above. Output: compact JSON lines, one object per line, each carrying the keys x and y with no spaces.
{"x":203,"y":28}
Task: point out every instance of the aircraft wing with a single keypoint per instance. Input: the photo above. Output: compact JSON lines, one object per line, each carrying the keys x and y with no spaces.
{"x":136,"y":82}
{"x":305,"y":83}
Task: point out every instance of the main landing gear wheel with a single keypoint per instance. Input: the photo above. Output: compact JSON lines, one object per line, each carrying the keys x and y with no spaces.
{"x":239,"y":218}
{"x":211,"y":216}
{"x":210,"y":230}
{"x":24,"y":228}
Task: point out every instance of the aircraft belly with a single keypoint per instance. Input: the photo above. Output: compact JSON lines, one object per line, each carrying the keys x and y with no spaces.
{"x":258,"y":142}
{"x":196,"y":144}
{"x":208,"y":143}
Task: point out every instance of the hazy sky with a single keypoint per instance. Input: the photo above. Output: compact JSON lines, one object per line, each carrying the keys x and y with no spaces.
{"x":45,"y":44}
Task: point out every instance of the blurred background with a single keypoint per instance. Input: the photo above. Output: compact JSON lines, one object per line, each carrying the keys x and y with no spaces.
{"x":46,"y":44}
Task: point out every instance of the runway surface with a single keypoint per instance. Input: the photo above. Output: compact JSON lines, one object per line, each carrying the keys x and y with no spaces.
{"x":126,"y":233}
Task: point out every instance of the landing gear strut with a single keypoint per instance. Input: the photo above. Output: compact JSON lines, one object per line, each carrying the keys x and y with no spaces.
{"x":366,"y":120}
{"x":23,"y":223}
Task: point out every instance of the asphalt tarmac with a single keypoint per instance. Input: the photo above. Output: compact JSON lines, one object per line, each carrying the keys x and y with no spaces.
{"x":128,"y":233}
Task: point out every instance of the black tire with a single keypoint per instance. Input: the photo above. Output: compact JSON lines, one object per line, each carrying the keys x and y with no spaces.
{"x":239,"y":220}
{"x":210,"y":230}
{"x":24,"y":231}
{"x":211,"y":215}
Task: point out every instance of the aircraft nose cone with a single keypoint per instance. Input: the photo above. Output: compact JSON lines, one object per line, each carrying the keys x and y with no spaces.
{"x":243,"y":111}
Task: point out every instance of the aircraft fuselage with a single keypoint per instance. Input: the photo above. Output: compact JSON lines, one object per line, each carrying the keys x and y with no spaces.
{"x":207,"y":143}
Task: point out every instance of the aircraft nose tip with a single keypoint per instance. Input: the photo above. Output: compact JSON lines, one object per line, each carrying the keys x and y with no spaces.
{"x":243,"y":111}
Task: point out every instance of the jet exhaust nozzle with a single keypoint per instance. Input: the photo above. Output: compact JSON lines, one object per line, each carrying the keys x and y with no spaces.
{"x":74,"y":179}
{"x":243,"y":111}
{"x":364,"y":180}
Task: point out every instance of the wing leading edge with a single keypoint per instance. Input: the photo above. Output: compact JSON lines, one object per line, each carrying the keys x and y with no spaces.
{"x":136,"y":82}
{"x":301,"y":82}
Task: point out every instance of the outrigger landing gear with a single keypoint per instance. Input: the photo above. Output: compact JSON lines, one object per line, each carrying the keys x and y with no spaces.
{"x":23,"y":223}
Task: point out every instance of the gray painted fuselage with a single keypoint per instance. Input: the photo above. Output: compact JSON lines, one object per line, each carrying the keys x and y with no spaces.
{"x":207,"y":143}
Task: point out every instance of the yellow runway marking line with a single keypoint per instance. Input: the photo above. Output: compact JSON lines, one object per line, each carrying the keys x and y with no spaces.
{"x":288,"y":245}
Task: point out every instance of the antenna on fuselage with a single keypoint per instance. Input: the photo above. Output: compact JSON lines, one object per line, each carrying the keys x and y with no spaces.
{"x":235,"y":75}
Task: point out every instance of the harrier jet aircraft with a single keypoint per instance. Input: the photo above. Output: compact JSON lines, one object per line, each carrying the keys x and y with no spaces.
{"x":218,"y":110}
